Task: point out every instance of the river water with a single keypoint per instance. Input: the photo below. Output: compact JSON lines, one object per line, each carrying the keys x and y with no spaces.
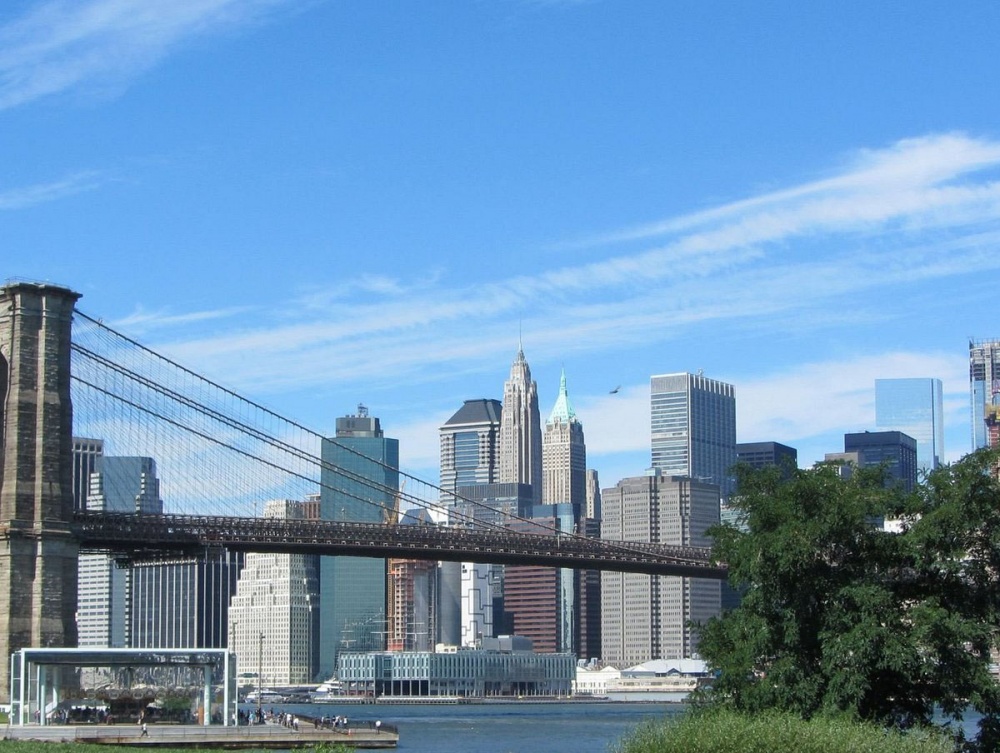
{"x":506,"y":727}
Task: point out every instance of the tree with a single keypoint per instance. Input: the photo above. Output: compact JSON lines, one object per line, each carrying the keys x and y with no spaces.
{"x":841,"y":617}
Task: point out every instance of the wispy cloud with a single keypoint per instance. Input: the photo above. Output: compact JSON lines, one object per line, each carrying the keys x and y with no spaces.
{"x":832,"y":396}
{"x":873,"y":184}
{"x":141,"y":321}
{"x":41,"y":193}
{"x":64,"y":44}
{"x":921,"y":210}
{"x":384,"y":286}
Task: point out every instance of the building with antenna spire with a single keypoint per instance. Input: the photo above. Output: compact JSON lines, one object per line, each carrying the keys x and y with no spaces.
{"x":521,"y":429}
{"x":564,"y":453}
{"x":558,"y":609}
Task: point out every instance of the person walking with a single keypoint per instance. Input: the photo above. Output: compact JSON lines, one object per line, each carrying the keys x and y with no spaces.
{"x":145,"y":731}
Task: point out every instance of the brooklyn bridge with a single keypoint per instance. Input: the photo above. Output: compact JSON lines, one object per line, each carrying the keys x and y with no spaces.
{"x":64,"y":374}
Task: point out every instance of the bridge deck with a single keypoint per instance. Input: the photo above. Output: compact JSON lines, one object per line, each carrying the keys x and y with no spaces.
{"x":139,"y":536}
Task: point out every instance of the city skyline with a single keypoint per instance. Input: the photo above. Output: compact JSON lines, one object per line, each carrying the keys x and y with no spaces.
{"x":386,"y":200}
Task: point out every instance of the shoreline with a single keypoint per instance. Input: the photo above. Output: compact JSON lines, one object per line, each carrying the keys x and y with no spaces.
{"x":652,"y":698}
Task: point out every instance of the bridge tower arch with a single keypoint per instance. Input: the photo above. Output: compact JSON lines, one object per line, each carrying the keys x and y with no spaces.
{"x":38,"y":553}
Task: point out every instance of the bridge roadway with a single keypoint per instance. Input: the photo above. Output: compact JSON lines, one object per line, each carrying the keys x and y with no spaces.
{"x":142,"y":536}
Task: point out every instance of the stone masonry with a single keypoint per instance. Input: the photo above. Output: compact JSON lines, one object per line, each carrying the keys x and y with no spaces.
{"x":38,"y":554}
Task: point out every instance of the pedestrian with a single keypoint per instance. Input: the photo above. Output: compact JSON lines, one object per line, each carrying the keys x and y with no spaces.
{"x":378,"y":726}
{"x":145,"y":731}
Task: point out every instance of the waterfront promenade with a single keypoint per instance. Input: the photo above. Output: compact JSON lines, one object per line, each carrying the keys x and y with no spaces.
{"x":257,"y":736}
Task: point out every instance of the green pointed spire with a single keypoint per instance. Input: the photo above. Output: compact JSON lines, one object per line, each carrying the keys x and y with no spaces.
{"x":563,"y":409}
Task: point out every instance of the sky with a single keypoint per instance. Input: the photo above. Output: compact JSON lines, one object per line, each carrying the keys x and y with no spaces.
{"x":321,"y":203}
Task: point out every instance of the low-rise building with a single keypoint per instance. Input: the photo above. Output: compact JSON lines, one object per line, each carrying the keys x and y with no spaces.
{"x":666,"y":679}
{"x":594,"y":682}
{"x":504,"y":666}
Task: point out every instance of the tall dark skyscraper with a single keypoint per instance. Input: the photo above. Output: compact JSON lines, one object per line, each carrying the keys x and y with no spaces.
{"x":470,"y":445}
{"x":763,"y":454}
{"x":470,"y":467}
{"x":117,"y":484}
{"x":183,"y":603}
{"x":85,"y":454}
{"x":894,"y":448}
{"x":360,"y":482}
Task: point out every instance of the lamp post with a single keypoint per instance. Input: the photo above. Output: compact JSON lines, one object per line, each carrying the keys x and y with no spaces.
{"x":260,"y":673}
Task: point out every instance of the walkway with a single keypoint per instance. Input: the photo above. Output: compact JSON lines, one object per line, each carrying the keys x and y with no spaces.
{"x":258,"y":736}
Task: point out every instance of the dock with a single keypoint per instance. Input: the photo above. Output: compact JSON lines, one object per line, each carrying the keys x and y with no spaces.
{"x":256,"y":736}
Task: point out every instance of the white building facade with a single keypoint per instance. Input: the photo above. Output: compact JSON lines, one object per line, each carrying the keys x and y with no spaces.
{"x":271,"y":615}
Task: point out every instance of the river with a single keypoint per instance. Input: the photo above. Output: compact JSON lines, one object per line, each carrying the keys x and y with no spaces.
{"x":506,"y":727}
{"x":514,"y":726}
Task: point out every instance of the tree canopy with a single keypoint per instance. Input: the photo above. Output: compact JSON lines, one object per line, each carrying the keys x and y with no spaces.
{"x":841,"y":617}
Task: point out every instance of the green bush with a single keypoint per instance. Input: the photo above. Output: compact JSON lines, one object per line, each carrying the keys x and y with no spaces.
{"x":725,"y":731}
{"x":332,"y":748}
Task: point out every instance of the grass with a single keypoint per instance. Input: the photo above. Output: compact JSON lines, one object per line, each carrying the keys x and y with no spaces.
{"x":719,"y":731}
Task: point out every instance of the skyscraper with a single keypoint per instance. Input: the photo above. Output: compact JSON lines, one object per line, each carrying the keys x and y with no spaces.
{"x":693,"y":423}
{"x":470,"y":445}
{"x":541,"y":600}
{"x":117,"y":484}
{"x":914,"y":407}
{"x":413,"y":596}
{"x":521,"y":429}
{"x":564,"y":454}
{"x":360,"y":483}
{"x":646,"y":617}
{"x":85,"y":454}
{"x":183,"y":603}
{"x":593,"y":503}
{"x":984,"y":388}
{"x":896,"y":450}
{"x":470,"y":468}
{"x":271,"y":615}
{"x":764,"y":454}
{"x":558,"y":609}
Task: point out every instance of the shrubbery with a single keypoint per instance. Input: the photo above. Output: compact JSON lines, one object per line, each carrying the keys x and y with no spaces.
{"x":726,"y":731}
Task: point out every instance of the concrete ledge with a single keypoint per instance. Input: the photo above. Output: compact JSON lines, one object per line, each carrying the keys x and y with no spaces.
{"x":260,"y":736}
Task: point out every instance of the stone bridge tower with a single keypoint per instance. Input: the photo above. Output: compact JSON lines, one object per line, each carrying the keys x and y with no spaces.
{"x":38,"y":554}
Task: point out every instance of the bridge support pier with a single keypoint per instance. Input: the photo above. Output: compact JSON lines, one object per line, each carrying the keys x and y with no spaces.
{"x":38,"y":553}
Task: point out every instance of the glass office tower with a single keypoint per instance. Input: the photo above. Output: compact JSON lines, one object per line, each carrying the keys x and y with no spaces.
{"x":360,"y":481}
{"x":914,"y":407}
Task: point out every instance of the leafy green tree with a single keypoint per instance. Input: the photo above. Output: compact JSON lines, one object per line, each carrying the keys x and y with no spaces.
{"x":842,"y":618}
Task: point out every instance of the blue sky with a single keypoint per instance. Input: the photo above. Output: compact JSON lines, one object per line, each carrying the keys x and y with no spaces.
{"x":321,"y":203}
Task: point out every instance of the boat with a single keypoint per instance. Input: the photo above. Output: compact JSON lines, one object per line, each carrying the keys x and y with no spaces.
{"x":330,"y":691}
{"x":265,"y":696}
